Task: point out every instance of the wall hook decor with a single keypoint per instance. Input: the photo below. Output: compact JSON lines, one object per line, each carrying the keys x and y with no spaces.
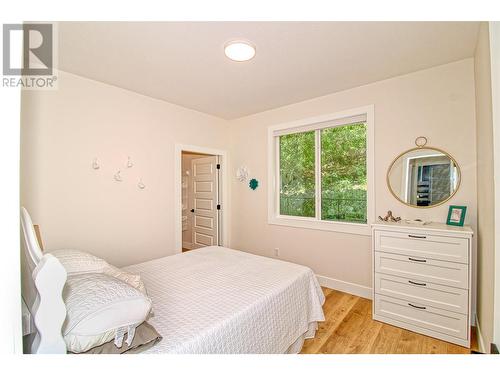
{"x":95,"y":164}
{"x":129,"y":163}
{"x":118,"y":176}
{"x":141,"y":185}
{"x":420,"y":141}
{"x":242,"y":174}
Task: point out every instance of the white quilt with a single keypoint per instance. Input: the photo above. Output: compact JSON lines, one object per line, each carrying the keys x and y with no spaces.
{"x":218,"y":300}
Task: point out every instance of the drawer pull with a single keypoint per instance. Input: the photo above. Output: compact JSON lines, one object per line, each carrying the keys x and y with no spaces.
{"x":413,"y":236}
{"x":417,"y":307}
{"x":417,"y":260}
{"x":419,"y":284}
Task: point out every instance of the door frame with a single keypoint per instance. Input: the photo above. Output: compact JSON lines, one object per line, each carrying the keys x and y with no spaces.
{"x":223,"y":188}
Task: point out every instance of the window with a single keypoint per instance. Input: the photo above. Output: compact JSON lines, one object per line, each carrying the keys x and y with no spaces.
{"x":343,"y":173}
{"x":321,"y":173}
{"x":297,"y":176}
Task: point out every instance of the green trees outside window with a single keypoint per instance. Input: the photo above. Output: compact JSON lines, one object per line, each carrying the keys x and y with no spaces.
{"x":343,"y":173}
{"x":297,"y":175}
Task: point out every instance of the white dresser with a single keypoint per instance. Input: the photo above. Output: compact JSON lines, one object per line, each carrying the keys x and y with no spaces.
{"x":422,"y":279}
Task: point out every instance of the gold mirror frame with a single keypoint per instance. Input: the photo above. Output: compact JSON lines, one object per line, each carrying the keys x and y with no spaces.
{"x":459,"y":172}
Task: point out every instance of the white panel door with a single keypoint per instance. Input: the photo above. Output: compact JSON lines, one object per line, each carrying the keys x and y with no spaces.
{"x":205,"y":199}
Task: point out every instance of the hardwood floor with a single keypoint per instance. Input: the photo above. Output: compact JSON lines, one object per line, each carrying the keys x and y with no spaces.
{"x":349,"y":328}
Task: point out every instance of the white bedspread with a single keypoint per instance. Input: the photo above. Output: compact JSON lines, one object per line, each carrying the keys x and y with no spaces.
{"x":218,"y":300}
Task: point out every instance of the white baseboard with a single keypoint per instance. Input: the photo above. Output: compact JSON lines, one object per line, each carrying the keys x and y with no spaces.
{"x":187,"y":245}
{"x":480,"y":340}
{"x":344,"y":286}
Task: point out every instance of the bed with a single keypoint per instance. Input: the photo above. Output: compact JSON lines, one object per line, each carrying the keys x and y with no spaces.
{"x":210,"y":300}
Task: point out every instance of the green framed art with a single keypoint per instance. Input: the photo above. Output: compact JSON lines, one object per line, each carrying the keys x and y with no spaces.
{"x":456,"y":215}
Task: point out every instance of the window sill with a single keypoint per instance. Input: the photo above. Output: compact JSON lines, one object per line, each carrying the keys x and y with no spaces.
{"x":312,"y":223}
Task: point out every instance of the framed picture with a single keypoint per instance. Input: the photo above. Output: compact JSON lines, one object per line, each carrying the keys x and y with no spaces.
{"x":456,"y":215}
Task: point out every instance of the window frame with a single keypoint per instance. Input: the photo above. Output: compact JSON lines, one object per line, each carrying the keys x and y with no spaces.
{"x":274,"y":216}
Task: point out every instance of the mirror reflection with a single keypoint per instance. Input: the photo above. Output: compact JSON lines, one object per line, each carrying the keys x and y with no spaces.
{"x":423,"y":177}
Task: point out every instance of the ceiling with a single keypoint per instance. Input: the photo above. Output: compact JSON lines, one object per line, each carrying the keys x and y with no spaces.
{"x":184,"y":62}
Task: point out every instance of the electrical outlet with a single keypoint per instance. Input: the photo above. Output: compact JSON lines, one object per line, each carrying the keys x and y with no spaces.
{"x":276,"y":252}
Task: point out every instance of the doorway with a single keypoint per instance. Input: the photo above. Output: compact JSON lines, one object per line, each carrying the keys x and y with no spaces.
{"x":200,"y":200}
{"x":200,"y":215}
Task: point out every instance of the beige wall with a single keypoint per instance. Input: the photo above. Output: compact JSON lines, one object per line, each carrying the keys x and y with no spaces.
{"x":485,"y":187}
{"x":437,"y":103}
{"x":79,"y":207}
{"x":495,"y":101}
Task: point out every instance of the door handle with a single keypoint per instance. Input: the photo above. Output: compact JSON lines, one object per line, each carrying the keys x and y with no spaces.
{"x":192,"y":209}
{"x":417,"y":307}
{"x":417,"y":260}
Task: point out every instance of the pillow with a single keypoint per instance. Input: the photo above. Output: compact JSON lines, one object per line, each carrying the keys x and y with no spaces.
{"x":78,"y":262}
{"x":101,"y":308}
{"x":129,"y":278}
{"x":145,"y":337}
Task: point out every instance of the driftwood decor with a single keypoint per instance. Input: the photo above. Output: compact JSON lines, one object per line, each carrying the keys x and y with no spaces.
{"x":389,"y":217}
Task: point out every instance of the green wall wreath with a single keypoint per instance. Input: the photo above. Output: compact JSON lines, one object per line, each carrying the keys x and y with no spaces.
{"x":253,"y":184}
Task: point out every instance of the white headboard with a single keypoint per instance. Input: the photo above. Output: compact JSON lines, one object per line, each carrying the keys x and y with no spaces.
{"x":31,"y":256}
{"x":43,"y":279}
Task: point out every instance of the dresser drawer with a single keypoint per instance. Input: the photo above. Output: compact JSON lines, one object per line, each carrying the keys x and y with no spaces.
{"x":437,"y":320}
{"x":423,"y":292}
{"x":417,"y":244}
{"x":428,"y":270}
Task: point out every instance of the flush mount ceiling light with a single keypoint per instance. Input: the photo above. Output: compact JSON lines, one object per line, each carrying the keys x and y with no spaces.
{"x":239,"y":51}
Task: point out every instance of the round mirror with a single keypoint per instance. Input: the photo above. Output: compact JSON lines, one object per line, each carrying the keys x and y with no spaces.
{"x":423,"y":177}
